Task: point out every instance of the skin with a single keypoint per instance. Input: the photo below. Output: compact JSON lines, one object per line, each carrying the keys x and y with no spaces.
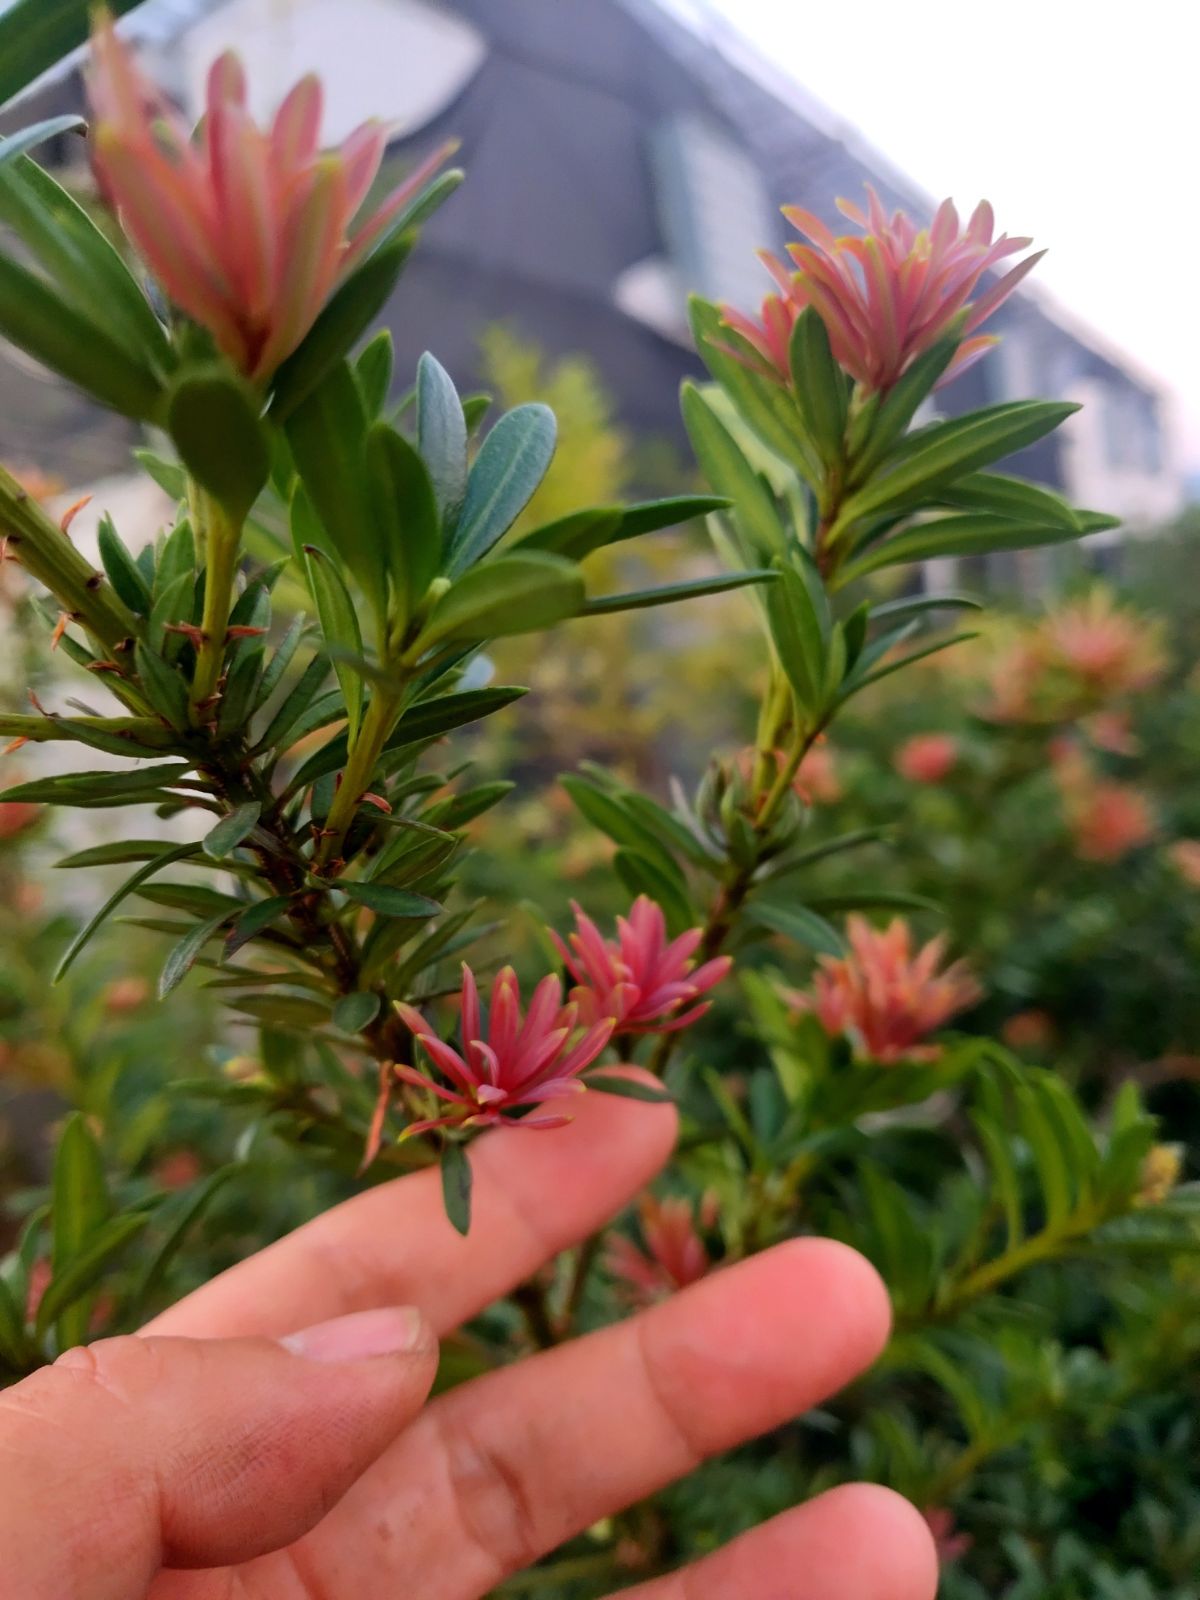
{"x":206,"y":1459}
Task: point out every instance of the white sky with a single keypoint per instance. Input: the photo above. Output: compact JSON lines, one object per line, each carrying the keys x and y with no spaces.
{"x":1078,"y":119}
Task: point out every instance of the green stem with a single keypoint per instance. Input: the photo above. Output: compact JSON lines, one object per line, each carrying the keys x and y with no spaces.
{"x":47,"y":554}
{"x":365,"y":750}
{"x":220,"y":540}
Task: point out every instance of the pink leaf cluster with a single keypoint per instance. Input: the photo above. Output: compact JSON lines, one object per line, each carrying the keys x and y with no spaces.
{"x":640,"y":979}
{"x":886,"y":296}
{"x":675,"y":1254}
{"x":887,"y":997}
{"x":248,"y":230}
{"x":518,"y":1059}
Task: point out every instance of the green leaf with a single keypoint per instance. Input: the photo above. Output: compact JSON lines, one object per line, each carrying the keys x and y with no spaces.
{"x":214,"y":419}
{"x":762,"y":403}
{"x":339,"y":624}
{"x":47,"y":327}
{"x":1011,"y":497}
{"x":872,"y":900}
{"x":287,"y":1011}
{"x":346,"y":317}
{"x":996,"y":1145}
{"x":829,"y":847}
{"x":511,"y":594}
{"x":92,"y":789}
{"x":403,"y":504}
{"x":475,"y":408}
{"x":83,"y":263}
{"x":142,"y":875}
{"x":281,"y":660}
{"x":855,"y":683}
{"x":327,"y":434}
{"x":389,"y":902}
{"x":15,"y":1348}
{"x":655,"y":1094}
{"x":913,"y":605}
{"x":241,"y":688}
{"x":1049,"y":1156}
{"x":295,"y":703}
{"x":460,"y":809}
{"x":731,"y":475}
{"x":79,"y":1208}
{"x":255,"y":920}
{"x":582,"y":532}
{"x":645,"y":874}
{"x":121,"y":569}
{"x":165,"y":688}
{"x":186,"y":1210}
{"x":64,"y":1301}
{"x":442,"y":438}
{"x":511,"y":463}
{"x":670,"y":593}
{"x":36,"y":34}
{"x":177,"y":561}
{"x":354,"y":1012}
{"x":901,"y":404}
{"x":798,"y":615}
{"x":456,"y":1187}
{"x":182,"y":958}
{"x":819,"y":386}
{"x":118,"y":853}
{"x":373,"y":372}
{"x":971,"y":534}
{"x":168,"y":475}
{"x":931,"y":457}
{"x":611,"y":814}
{"x":798,"y":923}
{"x":16,"y":144}
{"x":428,"y":719}
{"x":420,"y":208}
{"x":231,"y":830}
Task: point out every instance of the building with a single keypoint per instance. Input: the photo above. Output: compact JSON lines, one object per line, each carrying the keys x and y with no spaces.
{"x":619,"y":153}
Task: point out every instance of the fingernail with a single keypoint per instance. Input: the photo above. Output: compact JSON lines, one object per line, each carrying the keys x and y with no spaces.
{"x":392,"y":1331}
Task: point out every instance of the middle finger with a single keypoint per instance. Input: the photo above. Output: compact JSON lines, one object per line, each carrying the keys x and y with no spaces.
{"x":500,"y":1471}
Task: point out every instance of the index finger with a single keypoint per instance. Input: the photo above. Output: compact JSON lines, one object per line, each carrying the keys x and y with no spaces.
{"x":536,"y":1192}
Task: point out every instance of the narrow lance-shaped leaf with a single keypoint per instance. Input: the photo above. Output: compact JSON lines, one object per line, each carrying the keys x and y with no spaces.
{"x":182,"y":958}
{"x":972,"y":533}
{"x":79,"y":1207}
{"x":84,"y":264}
{"x":231,"y":830}
{"x":339,"y":623}
{"x":142,"y":875}
{"x":39,"y":321}
{"x":213,"y":417}
{"x":456,"y":1187}
{"x":726,"y":468}
{"x":442,"y":437}
{"x":933,"y":456}
{"x":670,"y":593}
{"x":121,"y":569}
{"x":819,"y":385}
{"x":17,"y":144}
{"x":347,"y":316}
{"x":405,"y":511}
{"x":511,"y":594}
{"x":511,"y":463}
{"x":36,"y":34}
{"x":327,"y":434}
{"x":764,"y":404}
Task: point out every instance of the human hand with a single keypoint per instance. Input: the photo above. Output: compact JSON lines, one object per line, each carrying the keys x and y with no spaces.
{"x":282,"y":1466}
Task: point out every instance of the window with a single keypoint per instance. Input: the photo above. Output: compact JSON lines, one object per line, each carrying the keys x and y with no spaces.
{"x":715,"y":210}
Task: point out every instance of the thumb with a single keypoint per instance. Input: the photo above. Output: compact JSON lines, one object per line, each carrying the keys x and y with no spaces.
{"x":133,"y":1454}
